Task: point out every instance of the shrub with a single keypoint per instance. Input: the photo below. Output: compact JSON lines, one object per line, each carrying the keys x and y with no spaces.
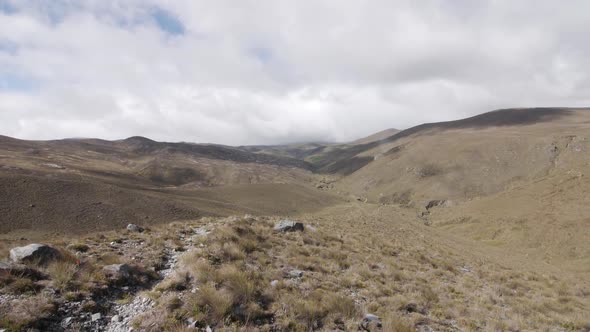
{"x":232,"y":252}
{"x":22,"y":286}
{"x":177,"y":282}
{"x":62,"y":274}
{"x":238,"y":283}
{"x":393,"y":323}
{"x":80,"y":247}
{"x":214,"y":304}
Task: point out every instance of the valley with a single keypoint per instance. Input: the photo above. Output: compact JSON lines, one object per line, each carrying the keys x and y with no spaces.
{"x":480,"y":224}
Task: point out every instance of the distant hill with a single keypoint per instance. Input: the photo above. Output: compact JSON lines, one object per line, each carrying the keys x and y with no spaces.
{"x":96,"y":184}
{"x":376,"y":136}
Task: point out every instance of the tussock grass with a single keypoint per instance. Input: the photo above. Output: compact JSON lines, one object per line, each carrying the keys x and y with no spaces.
{"x":237,"y":278}
{"x":62,"y":274}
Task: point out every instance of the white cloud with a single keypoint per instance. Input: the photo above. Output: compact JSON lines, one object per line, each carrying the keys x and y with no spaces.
{"x":278,"y":71}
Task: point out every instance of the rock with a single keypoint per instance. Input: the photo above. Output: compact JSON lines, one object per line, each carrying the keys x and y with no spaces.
{"x":116,"y":319}
{"x":274,"y":283}
{"x":434,"y":203}
{"x":465,"y":269}
{"x":192,"y":323}
{"x":288,"y":226}
{"x":95,"y":317}
{"x":201,"y":231}
{"x":295,"y":274}
{"x":134,"y":228}
{"x":34,"y":253}
{"x":66,"y":322}
{"x":371,"y":322}
{"x":117,"y":272}
{"x":208,"y":329}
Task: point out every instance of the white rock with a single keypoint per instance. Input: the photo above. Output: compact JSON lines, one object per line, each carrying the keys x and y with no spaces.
{"x":36,"y":253}
{"x":66,"y":322}
{"x":295,"y":274}
{"x":96,"y":316}
{"x":134,"y":228}
{"x":288,"y":226}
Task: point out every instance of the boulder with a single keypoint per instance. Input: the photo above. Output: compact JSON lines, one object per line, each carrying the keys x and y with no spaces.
{"x":295,"y":274}
{"x":134,"y":228}
{"x":288,"y":226}
{"x":34,"y":253}
{"x":118,"y":272}
{"x":371,"y":323}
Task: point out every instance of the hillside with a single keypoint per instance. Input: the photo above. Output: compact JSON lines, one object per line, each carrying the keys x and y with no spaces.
{"x":378,"y":136}
{"x":97,"y":185}
{"x":510,"y":179}
{"x":478,"y":224}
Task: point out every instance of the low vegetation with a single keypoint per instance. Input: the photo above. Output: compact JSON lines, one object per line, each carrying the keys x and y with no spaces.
{"x":243,"y":275}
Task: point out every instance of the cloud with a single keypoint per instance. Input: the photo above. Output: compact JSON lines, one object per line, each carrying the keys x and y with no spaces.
{"x":262,"y":72}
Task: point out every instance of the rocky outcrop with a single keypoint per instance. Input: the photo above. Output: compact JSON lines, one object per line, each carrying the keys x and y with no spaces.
{"x":288,"y":226}
{"x":40,"y":254}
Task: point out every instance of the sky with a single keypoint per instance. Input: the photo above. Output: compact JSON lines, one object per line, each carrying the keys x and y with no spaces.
{"x":272,"y":72}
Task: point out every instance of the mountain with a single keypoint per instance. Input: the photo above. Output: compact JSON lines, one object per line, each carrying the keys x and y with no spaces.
{"x":478,"y":224}
{"x":378,"y":136}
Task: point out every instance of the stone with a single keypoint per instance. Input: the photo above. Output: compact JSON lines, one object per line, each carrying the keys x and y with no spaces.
{"x":274,"y":283}
{"x":434,"y":203}
{"x":371,"y":322}
{"x":208,"y":329}
{"x":116,"y":319}
{"x":66,"y":322}
{"x":117,"y":272}
{"x":295,"y":274}
{"x":201,"y":231}
{"x":289,"y":226}
{"x":95,"y":317}
{"x":134,"y":228}
{"x":34,"y":253}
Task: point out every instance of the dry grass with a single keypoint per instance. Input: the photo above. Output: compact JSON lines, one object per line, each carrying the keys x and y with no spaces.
{"x":237,"y":278}
{"x":21,"y":313}
{"x":62,"y":274}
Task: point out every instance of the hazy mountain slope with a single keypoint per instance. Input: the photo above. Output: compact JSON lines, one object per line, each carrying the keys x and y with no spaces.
{"x":378,"y":136}
{"x":321,"y":155}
